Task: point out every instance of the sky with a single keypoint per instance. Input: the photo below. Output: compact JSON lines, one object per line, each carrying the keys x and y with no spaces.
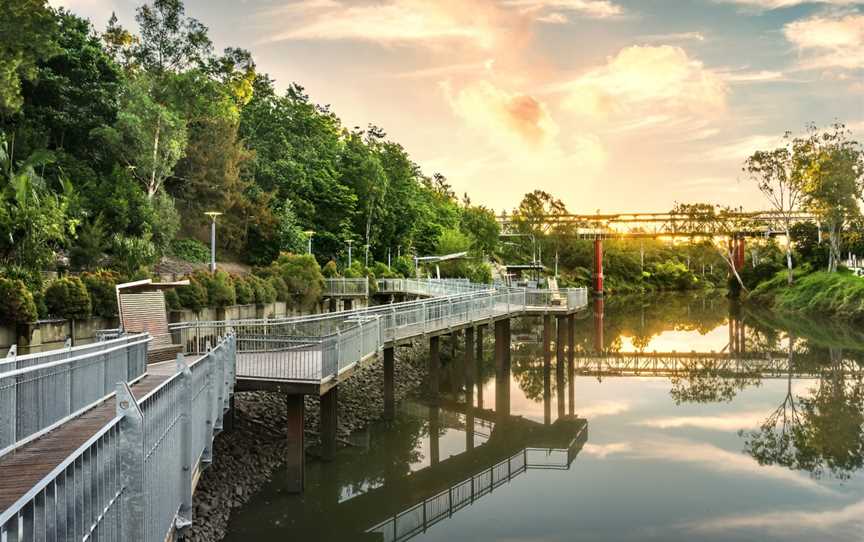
{"x":609,"y":105}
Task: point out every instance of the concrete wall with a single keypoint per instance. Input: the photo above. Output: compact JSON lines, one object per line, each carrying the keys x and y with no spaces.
{"x":51,"y":334}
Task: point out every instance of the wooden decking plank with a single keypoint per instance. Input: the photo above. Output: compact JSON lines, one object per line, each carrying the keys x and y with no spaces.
{"x":22,"y":469}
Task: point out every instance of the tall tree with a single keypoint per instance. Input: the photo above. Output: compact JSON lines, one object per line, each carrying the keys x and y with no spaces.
{"x":831,"y":166}
{"x":782,"y":185}
{"x":27,"y":35}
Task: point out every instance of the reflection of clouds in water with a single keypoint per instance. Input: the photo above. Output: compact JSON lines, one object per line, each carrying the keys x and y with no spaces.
{"x":602,"y":408}
{"x":706,"y":456}
{"x":844,"y":523}
{"x":804,"y":388}
{"x":681,"y":341}
{"x":601,"y":451}
{"x":727,"y":422}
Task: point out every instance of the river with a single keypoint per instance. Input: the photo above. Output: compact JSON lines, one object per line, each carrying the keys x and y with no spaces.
{"x":742,"y":426}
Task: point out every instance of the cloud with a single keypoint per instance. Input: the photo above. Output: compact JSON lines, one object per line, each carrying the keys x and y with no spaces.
{"x":604,"y":408}
{"x":499,"y":113}
{"x":553,"y":18}
{"x":766,"y":5}
{"x":738,"y":150}
{"x":481,"y":23}
{"x":844,"y":523}
{"x":647,"y":80}
{"x":829,"y":41}
{"x":728,"y":422}
{"x":598,"y":9}
{"x":676,"y":36}
{"x":753,"y":77}
{"x":470,"y":68}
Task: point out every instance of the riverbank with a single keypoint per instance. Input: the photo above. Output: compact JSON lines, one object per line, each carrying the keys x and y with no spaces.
{"x":249,"y":455}
{"x":837,"y":295}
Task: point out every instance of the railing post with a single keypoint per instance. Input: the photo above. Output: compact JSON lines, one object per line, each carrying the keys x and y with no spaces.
{"x":209,"y":382}
{"x":131,"y":464}
{"x":220,"y":382}
{"x":184,"y":514}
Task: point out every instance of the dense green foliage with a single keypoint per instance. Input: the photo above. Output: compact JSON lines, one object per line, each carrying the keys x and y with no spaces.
{"x":838,"y":295}
{"x":68,"y":298}
{"x":103,"y":295}
{"x":135,"y":134}
{"x":18,"y":306}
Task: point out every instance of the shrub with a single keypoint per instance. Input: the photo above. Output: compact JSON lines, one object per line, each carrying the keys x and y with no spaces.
{"x":103,"y":295}
{"x":280,"y":288}
{"x":18,"y":306}
{"x":244,"y":293}
{"x":404,"y":266}
{"x":68,"y":298}
{"x":263,"y":290}
{"x":303,"y":277}
{"x":192,"y":297}
{"x":330,"y":270}
{"x":220,"y":289}
{"x":172,"y":300}
{"x":131,"y":254}
{"x":191,"y":250}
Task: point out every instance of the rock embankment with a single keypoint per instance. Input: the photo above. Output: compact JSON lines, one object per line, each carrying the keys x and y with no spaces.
{"x":246,"y":457}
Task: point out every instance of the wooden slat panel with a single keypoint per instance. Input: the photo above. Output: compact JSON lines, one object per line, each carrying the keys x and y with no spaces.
{"x":146,"y":312}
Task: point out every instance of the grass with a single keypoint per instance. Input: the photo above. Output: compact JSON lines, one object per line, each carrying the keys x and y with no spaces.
{"x":839,"y":295}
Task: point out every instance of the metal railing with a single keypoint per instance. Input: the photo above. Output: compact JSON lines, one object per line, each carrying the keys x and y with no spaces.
{"x":319,"y":347}
{"x":14,"y":361}
{"x":132,"y":480}
{"x":342,"y":287}
{"x":429,"y":287}
{"x":54,"y":388}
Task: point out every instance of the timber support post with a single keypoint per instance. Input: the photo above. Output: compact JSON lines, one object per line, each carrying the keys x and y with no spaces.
{"x":598,"y":266}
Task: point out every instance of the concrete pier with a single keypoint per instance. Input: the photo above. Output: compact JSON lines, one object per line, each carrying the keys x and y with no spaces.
{"x":295,"y":454}
{"x":328,"y":422}
{"x":389,"y":378}
{"x":434,"y":364}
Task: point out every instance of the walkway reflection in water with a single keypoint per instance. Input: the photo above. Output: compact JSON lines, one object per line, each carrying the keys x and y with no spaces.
{"x":760,"y":440}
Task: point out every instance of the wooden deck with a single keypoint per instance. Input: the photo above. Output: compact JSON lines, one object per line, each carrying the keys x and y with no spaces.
{"x":22,"y":469}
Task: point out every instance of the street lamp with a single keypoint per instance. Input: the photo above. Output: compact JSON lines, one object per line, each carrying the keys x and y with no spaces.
{"x":213,"y":215}
{"x":349,"y":252}
{"x":367,"y":256}
{"x":309,"y":234}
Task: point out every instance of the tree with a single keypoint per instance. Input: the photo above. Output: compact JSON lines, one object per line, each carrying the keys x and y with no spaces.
{"x":148,"y":137}
{"x":170,"y":41}
{"x":782,"y":185}
{"x":27,"y":35}
{"x":831,"y":166}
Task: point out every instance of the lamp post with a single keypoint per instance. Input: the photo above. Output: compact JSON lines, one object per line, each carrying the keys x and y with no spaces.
{"x":349,"y":252}
{"x":367,"y":256}
{"x":213,"y":215}
{"x":309,"y":234}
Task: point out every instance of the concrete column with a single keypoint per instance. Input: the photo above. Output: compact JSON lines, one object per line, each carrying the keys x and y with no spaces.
{"x":502,"y":369}
{"x":598,"y":266}
{"x":328,"y":422}
{"x":434,"y":445}
{"x":470,"y":372}
{"x":548,"y":332}
{"x":228,"y":417}
{"x":571,"y":357}
{"x":599,"y":314}
{"x":295,"y":454}
{"x":559,"y":363}
{"x":470,"y":369}
{"x":434,"y":365}
{"x":547,"y":394}
{"x":389,"y":372}
{"x":478,"y":362}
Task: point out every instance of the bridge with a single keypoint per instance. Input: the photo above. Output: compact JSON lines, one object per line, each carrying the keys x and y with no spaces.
{"x":733,"y":226}
{"x":96,"y":444}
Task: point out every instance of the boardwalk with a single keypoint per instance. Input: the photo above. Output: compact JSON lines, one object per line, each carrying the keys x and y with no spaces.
{"x":83,"y":465}
{"x":21,"y":470}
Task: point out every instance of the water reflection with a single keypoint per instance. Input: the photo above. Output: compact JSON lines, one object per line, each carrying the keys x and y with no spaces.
{"x":708,"y":421}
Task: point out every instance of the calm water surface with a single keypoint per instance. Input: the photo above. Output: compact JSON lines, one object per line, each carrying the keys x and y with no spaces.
{"x":632,"y":445}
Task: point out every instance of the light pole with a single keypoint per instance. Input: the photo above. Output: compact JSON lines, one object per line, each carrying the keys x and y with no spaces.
{"x":309,"y":234}
{"x":213,"y":215}
{"x":367,"y":256}
{"x":349,"y":252}
{"x":388,"y":258}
